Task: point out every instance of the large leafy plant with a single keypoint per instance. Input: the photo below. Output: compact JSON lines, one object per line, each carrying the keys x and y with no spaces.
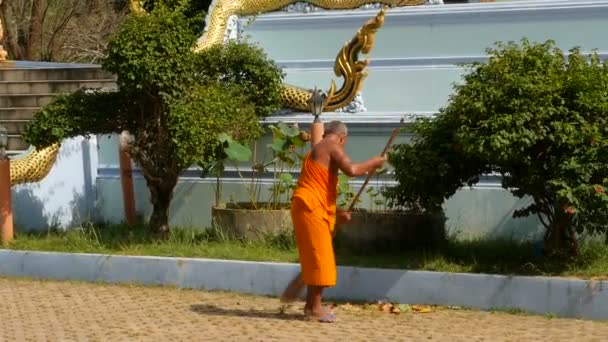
{"x":532,"y":114}
{"x":172,"y":100}
{"x":284,"y":160}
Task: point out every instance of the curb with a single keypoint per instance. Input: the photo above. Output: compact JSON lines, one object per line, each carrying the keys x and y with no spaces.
{"x":563,"y":297}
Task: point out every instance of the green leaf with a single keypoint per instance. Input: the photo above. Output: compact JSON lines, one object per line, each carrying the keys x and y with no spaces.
{"x":286,"y":178}
{"x":223,"y":137}
{"x":288,"y":131}
{"x":278,"y":144}
{"x":238,"y":152}
{"x":298,"y":142}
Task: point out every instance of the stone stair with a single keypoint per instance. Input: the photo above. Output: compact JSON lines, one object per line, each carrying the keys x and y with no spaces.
{"x":25,"y":87}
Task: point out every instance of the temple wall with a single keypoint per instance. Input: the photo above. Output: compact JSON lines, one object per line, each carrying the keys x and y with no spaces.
{"x":414,"y":63}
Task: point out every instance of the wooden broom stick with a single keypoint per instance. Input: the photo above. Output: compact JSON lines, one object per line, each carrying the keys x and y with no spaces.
{"x":372,"y":172}
{"x":297,"y":284}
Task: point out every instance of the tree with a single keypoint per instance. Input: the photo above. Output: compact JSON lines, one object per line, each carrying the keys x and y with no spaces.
{"x":58,"y":30}
{"x":85,"y":38}
{"x":174,"y":101}
{"x":533,"y":115}
{"x":191,"y":7}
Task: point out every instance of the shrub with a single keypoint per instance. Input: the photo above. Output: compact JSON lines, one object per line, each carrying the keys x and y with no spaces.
{"x":535,"y":116}
{"x":173,"y":101}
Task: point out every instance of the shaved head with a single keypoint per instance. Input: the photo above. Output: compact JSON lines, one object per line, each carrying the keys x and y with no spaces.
{"x":336,"y":127}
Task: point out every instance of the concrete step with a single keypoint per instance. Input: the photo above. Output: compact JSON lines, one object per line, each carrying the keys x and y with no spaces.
{"x":17,"y":75}
{"x":52,"y":86}
{"x":17,"y":114}
{"x":27,"y":86}
{"x":25,"y":100}
{"x":14,"y":127}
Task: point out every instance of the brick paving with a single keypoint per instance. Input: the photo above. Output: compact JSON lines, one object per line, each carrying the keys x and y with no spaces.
{"x":68,"y":311}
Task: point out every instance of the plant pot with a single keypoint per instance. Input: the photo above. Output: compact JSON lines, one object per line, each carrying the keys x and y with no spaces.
{"x":391,"y":230}
{"x":244,"y":221}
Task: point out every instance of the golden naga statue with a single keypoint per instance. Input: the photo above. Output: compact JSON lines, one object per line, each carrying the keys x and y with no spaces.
{"x":3,"y":53}
{"x":347,"y":64}
{"x":35,"y":166}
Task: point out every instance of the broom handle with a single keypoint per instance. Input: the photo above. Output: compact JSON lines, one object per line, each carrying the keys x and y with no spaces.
{"x":372,"y":172}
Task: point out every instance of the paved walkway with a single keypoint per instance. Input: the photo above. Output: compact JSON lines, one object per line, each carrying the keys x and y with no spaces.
{"x":67,"y":311}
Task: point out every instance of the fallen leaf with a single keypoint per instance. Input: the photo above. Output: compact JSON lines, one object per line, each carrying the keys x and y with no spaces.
{"x":349,"y":307}
{"x":404,"y":308}
{"x":386,"y":307}
{"x":369,"y":307}
{"x":421,"y":308}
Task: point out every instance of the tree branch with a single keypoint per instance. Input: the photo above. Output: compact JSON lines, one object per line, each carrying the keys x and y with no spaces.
{"x":59,"y":28}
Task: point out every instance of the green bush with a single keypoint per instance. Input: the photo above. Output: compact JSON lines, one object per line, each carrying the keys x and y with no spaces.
{"x":173,"y":101}
{"x":535,"y":116}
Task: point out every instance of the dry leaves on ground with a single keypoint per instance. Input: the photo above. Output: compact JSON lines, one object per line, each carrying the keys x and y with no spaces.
{"x":386,"y":307}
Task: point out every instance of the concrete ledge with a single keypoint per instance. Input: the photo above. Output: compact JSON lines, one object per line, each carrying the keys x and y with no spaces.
{"x":560,"y":296}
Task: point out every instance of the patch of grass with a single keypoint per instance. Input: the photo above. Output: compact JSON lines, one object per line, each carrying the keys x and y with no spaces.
{"x":488,"y":256}
{"x":550,"y":315}
{"x":521,"y":312}
{"x":137,"y":240}
{"x":476,"y":256}
{"x":511,"y":311}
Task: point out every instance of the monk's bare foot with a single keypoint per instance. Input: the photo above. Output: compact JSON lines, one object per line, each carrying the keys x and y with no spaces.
{"x":322,"y":315}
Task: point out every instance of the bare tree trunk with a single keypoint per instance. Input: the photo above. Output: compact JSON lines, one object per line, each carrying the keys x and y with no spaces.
{"x":32,"y":50}
{"x":560,"y":239}
{"x":152,"y":153}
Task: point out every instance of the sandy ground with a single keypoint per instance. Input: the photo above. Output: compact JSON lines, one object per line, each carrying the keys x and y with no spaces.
{"x":68,"y":311}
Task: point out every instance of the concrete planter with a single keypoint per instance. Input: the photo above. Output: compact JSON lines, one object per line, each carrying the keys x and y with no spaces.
{"x":241,"y":220}
{"x":370,"y":230}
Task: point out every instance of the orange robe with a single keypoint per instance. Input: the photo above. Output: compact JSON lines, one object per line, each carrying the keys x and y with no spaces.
{"x":313,"y":211}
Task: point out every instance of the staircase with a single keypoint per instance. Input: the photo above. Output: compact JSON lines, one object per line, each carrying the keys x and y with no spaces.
{"x":25,"y":87}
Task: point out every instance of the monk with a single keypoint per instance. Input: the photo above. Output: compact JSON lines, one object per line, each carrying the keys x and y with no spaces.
{"x":314,"y":213}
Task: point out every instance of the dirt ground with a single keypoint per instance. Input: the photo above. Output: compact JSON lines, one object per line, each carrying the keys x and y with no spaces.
{"x":68,"y":311}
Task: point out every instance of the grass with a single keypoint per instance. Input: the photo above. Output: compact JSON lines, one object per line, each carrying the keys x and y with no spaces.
{"x":511,"y":311}
{"x":495,"y":257}
{"x":479,"y":256}
{"x":125,"y":240}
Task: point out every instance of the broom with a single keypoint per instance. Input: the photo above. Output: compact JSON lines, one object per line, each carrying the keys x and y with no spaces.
{"x":296,"y":285}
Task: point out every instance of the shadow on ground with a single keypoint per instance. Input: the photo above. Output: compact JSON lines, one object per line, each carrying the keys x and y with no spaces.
{"x":213,"y":310}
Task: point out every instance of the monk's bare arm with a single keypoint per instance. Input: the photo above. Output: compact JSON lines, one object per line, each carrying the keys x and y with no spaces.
{"x":343,"y":162}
